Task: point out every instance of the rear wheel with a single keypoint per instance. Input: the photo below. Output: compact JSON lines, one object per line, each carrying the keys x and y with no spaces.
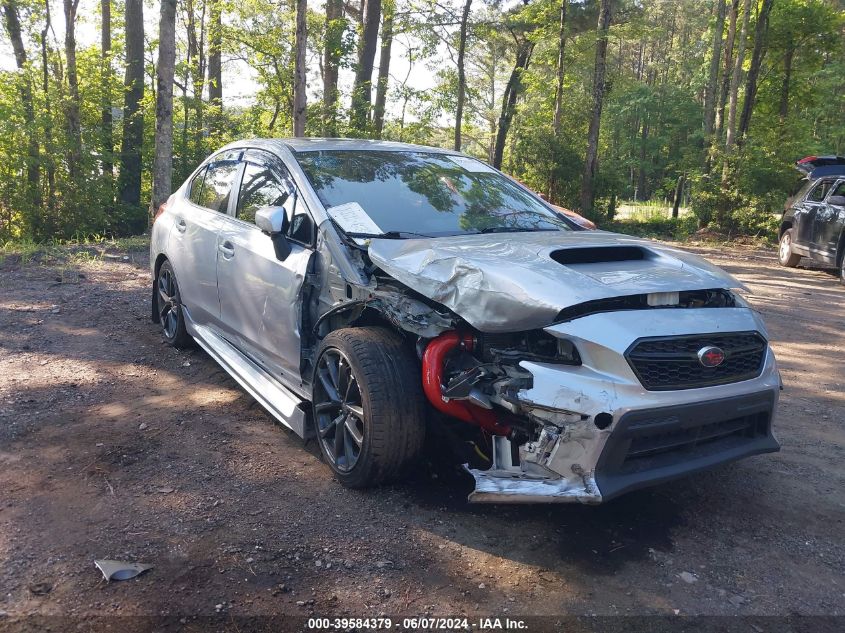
{"x":169,"y":308}
{"x":369,"y":413}
{"x":785,"y":255}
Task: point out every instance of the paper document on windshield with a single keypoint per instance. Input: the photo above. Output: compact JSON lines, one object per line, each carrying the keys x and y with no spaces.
{"x":472,"y":165}
{"x":352,"y":218}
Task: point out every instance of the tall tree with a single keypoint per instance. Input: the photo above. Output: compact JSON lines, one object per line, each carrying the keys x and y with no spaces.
{"x":512,"y":91}
{"x":215,"y":65}
{"x":388,"y":17}
{"x":106,"y":115}
{"x":48,"y":112}
{"x":367,"y":44}
{"x":736,"y":76}
{"x":72,"y":107}
{"x":591,"y":162}
{"x":299,"y":79}
{"x":332,"y":51}
{"x":713,"y":72}
{"x":727,"y":71}
{"x":561,"y":46}
{"x":760,"y":43}
{"x":462,"y":80}
{"x":13,"y":28}
{"x":129,"y":178}
{"x":165,"y":69}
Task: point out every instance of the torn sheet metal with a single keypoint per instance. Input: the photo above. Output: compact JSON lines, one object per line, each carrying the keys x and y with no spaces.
{"x":120,"y":570}
{"x":505,"y":487}
{"x":510,"y":282}
{"x":409,"y":314}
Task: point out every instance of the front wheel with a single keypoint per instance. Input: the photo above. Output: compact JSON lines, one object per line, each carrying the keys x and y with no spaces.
{"x":785,"y":255}
{"x":369,"y":412}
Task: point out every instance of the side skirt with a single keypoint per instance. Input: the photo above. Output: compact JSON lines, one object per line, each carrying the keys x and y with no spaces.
{"x":280,"y":402}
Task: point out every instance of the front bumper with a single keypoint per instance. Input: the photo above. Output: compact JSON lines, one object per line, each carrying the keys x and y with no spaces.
{"x":609,"y":435}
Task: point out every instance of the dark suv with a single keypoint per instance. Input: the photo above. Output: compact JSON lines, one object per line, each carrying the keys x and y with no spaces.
{"x":814,"y":218}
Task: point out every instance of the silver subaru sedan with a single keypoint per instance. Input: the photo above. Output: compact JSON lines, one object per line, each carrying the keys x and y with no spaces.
{"x":368,"y":293}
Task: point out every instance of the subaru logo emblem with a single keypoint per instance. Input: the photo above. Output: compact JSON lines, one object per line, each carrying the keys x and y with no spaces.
{"x":711,"y":356}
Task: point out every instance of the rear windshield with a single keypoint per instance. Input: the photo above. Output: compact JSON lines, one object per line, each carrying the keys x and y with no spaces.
{"x":425,"y":193}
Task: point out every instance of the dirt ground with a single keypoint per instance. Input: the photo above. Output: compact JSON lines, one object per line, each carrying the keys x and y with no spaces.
{"x":113,"y":445}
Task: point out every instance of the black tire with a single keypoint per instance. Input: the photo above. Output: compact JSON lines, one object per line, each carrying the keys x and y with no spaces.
{"x":382,"y":404}
{"x":169,"y":308}
{"x":785,"y":255}
{"x":842,"y":271}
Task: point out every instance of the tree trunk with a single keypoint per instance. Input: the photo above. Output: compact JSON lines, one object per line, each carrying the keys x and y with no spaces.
{"x":163,"y":160}
{"x":48,"y":112}
{"x":335,"y":27}
{"x":72,"y":116}
{"x":727,"y":69}
{"x":105,"y":115}
{"x":215,"y":66}
{"x":679,"y":191}
{"x":787,"y":77}
{"x":591,"y":162}
{"x":133,"y":122}
{"x":33,"y":176}
{"x":462,"y":79}
{"x":560,"y":50}
{"x":760,"y":44}
{"x":730,"y":130}
{"x":299,"y":81}
{"x":196,"y":63}
{"x":362,"y":88}
{"x":383,"y":66}
{"x":713,"y":73}
{"x":509,"y":98}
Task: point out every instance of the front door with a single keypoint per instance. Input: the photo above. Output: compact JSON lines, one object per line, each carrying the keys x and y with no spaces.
{"x":260,"y":295}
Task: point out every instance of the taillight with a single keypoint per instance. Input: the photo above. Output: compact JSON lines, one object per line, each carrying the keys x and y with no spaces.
{"x":161,"y":209}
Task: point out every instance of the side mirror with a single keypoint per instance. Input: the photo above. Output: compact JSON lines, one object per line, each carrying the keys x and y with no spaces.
{"x":274,"y":222}
{"x":839,"y":201}
{"x":271,"y":219}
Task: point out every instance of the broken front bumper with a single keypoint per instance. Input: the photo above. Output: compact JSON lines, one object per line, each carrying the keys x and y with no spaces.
{"x":608,"y":435}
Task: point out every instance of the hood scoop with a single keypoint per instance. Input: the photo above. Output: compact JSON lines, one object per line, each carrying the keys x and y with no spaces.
{"x":599,"y":255}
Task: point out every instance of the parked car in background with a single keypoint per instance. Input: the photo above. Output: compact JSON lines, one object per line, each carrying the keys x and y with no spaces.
{"x":813,"y":221}
{"x":367,"y":293}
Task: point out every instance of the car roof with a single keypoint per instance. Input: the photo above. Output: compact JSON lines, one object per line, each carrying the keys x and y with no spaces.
{"x":820,"y":166}
{"x":313,"y":144}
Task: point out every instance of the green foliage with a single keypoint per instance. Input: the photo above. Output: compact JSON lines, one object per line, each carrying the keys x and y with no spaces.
{"x":651,"y":129}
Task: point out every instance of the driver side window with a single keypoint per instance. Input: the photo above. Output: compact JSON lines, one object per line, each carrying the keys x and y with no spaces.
{"x":259,"y":188}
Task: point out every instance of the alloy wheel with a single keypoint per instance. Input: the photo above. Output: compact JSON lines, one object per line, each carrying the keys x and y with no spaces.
{"x":168,"y":306}
{"x":338,"y":410}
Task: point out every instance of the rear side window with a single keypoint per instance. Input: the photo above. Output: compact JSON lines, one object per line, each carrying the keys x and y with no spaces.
{"x":259,"y":188}
{"x":195,"y":192}
{"x":217,"y":186}
{"x":840,"y":189}
{"x":819,"y":191}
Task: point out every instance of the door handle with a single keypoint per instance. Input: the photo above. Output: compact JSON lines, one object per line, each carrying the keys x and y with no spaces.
{"x":181,"y":226}
{"x":227,"y":249}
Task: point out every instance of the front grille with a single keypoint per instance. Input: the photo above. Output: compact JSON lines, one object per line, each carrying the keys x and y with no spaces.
{"x":671,"y":362}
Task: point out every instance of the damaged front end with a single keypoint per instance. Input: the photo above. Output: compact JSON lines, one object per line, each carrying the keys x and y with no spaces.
{"x":591,"y":408}
{"x":602,"y":390}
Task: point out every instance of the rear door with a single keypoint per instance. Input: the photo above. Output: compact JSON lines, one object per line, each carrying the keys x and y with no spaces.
{"x":829,"y":221}
{"x":193,"y":246}
{"x":260,"y":295}
{"x":806,"y":210}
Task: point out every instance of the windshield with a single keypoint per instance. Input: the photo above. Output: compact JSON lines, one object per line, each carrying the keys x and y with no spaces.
{"x":423,"y":193}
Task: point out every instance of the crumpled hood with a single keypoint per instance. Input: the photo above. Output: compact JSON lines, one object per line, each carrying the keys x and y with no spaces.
{"x":516,"y":281}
